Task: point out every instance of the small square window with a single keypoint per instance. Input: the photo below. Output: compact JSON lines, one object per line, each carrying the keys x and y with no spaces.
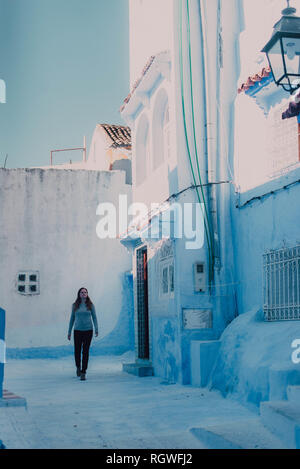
{"x":28,"y":282}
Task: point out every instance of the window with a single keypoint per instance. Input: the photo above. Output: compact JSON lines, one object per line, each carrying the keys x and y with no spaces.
{"x":28,"y":283}
{"x":167,"y":277}
{"x":282,"y":284}
{"x":165,"y":281}
{"x":142,"y":150}
{"x":161,"y":129}
{"x":166,"y":132}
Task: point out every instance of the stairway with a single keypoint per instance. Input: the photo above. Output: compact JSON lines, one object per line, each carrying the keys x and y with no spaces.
{"x":276,"y":427}
{"x":283,"y":417}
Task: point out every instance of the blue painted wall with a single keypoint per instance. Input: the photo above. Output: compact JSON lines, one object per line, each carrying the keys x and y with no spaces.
{"x":166,"y":356}
{"x":2,"y":337}
{"x":254,"y":362}
{"x":267,"y":218}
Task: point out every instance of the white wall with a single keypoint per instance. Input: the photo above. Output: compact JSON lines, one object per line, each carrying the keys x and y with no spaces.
{"x":255,"y":158}
{"x":48,"y":223}
{"x":97,"y":155}
{"x":151,"y":31}
{"x":260,"y":17}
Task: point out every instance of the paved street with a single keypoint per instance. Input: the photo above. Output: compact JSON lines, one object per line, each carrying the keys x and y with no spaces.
{"x":111,"y":409}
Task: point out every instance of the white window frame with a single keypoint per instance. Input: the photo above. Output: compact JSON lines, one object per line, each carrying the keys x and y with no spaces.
{"x":166,"y":265}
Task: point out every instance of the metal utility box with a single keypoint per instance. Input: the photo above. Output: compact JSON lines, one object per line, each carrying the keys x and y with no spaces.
{"x":199,"y":277}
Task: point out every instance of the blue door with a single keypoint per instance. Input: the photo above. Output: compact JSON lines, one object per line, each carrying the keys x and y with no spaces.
{"x":2,"y":348}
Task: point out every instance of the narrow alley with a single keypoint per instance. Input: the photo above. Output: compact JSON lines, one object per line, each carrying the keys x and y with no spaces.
{"x":111,"y":409}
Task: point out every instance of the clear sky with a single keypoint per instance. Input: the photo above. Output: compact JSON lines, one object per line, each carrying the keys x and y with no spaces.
{"x":66,"y":68}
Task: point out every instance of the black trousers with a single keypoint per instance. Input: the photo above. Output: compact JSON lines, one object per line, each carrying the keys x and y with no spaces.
{"x":82,"y":342}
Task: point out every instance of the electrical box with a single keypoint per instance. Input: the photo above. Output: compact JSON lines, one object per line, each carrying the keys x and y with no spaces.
{"x":199,"y":277}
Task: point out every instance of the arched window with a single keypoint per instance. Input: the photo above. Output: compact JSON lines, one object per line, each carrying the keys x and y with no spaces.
{"x":161,"y":129}
{"x":166,"y":133}
{"x":142,"y":150}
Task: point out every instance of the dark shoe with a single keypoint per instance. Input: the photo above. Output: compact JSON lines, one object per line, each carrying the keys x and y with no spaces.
{"x":78,"y":372}
{"x":82,"y":377}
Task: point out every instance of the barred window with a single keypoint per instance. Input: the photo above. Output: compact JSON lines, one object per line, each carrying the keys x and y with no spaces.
{"x":282,"y":284}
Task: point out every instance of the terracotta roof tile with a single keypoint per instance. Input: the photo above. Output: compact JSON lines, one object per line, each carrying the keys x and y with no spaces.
{"x":252,"y":80}
{"x":119,"y":135}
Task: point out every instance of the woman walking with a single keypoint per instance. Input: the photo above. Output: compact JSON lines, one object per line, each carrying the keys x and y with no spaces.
{"x":83,"y":317}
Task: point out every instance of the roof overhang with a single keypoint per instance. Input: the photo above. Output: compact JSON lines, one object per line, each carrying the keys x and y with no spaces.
{"x":139,"y":98}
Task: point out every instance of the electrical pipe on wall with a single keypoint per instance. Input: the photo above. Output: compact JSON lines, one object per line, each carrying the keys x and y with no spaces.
{"x":209,"y":15}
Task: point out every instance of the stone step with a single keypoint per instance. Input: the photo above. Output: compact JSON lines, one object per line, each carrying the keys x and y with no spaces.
{"x":283,"y":419}
{"x":10,"y":399}
{"x":293,"y":394}
{"x":138,"y":369}
{"x":243,"y":434}
{"x":203,"y":356}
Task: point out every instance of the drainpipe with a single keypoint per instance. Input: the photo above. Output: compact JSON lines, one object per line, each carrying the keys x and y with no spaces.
{"x":208,"y":9}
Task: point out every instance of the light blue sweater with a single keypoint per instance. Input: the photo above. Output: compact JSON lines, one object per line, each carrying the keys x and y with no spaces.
{"x":82,"y":319}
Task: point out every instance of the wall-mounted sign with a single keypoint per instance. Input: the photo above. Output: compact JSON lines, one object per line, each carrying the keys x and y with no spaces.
{"x":197,"y":318}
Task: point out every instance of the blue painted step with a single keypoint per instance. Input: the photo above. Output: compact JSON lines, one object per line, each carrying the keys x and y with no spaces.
{"x":293,"y":394}
{"x":283,"y":419}
{"x":241,"y":434}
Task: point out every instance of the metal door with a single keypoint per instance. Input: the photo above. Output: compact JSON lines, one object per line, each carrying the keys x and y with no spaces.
{"x":142,"y":304}
{"x":2,"y":348}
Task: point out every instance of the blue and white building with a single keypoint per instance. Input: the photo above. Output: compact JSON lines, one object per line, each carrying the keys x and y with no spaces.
{"x":224,"y":312}
{"x":180,"y":159}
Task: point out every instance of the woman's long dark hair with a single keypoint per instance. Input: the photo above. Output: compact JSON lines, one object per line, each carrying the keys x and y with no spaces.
{"x":88,"y":301}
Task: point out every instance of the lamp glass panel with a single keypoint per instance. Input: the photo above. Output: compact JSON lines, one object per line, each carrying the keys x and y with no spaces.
{"x":291,"y":48}
{"x":275,"y":58}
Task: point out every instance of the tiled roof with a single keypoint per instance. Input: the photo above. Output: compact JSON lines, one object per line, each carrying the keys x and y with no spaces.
{"x":136,"y":84}
{"x":119,"y":135}
{"x":254,"y":79}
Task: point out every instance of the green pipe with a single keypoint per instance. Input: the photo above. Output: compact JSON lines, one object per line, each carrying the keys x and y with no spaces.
{"x":208,"y":233}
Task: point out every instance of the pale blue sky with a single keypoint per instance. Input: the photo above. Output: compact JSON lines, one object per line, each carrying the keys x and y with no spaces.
{"x":66,"y":68}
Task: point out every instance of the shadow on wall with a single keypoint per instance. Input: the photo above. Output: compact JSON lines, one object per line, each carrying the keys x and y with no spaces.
{"x":255,"y":362}
{"x":121,"y":339}
{"x":124,"y":165}
{"x":117,"y":342}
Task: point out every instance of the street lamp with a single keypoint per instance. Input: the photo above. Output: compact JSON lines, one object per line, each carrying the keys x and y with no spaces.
{"x":283,"y":50}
